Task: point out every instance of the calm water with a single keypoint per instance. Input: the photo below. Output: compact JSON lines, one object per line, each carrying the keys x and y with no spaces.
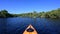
{"x":18,"y":25}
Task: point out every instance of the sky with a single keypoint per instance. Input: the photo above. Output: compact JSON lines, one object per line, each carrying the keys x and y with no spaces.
{"x":26,"y":6}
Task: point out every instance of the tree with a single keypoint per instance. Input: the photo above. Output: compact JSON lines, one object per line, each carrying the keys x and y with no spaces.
{"x":5,"y":14}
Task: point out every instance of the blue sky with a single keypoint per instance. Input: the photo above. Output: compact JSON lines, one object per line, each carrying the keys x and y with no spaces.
{"x":25,"y":6}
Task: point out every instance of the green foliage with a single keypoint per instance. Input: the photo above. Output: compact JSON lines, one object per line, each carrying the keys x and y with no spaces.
{"x":54,"y":13}
{"x":49,"y":14}
{"x":4,"y":14}
{"x":34,"y":14}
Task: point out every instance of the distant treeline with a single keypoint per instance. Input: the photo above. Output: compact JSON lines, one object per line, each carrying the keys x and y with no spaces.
{"x":5,"y":14}
{"x":48,"y":14}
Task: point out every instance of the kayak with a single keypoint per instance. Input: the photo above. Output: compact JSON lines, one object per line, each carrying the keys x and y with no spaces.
{"x":30,"y":30}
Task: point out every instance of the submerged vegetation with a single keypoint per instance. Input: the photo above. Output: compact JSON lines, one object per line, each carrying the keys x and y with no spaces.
{"x":49,"y":14}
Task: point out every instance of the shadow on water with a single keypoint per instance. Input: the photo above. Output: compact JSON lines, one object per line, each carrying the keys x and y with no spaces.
{"x":18,"y":25}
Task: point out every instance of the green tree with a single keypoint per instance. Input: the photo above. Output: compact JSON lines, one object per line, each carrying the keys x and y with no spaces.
{"x":5,"y":14}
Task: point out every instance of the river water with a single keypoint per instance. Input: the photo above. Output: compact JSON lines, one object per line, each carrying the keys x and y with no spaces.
{"x":18,"y":25}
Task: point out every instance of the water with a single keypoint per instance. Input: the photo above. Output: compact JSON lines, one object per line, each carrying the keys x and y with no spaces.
{"x":18,"y":25}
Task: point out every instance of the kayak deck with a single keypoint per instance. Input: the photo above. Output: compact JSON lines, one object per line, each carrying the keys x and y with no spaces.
{"x":30,"y":30}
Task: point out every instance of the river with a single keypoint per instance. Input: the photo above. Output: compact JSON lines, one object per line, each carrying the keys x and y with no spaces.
{"x":17,"y":25}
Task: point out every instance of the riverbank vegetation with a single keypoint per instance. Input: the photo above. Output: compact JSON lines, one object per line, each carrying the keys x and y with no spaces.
{"x":34,"y":14}
{"x":5,"y":14}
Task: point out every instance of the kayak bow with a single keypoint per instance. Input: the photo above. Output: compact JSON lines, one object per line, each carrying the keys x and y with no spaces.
{"x":30,"y":30}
